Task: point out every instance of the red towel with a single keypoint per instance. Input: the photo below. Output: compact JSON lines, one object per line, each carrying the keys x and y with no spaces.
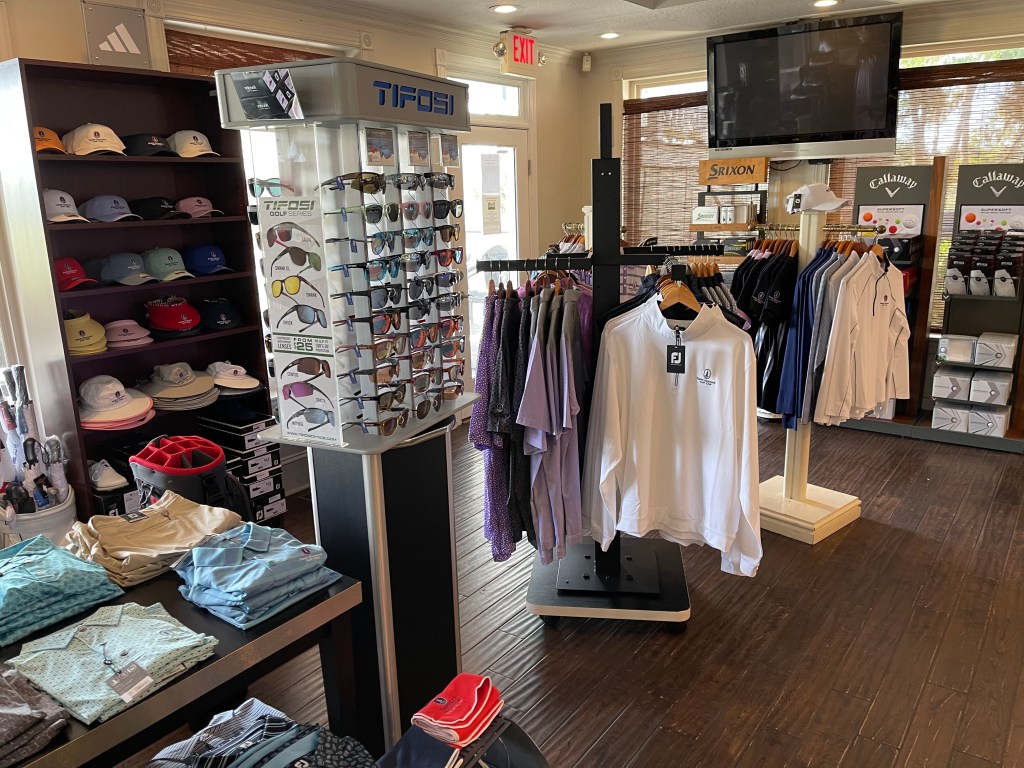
{"x":462,"y":711}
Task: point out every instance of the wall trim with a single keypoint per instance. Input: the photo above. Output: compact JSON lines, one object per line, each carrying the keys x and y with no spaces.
{"x":6,"y":44}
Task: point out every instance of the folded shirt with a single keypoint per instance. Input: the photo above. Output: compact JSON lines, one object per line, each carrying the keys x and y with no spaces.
{"x":41,"y":584}
{"x":242,"y":619}
{"x":28,"y":719}
{"x":120,"y":654}
{"x":133,"y":551}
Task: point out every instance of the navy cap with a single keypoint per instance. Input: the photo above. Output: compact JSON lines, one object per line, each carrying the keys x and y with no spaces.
{"x":219,"y":315}
{"x":146,"y":144}
{"x":205,"y":260}
{"x":156,"y":208}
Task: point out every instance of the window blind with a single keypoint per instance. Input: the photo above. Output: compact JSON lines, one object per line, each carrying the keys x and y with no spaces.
{"x":203,"y":55}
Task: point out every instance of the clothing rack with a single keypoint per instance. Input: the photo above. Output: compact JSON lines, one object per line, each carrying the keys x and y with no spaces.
{"x":568,"y":263}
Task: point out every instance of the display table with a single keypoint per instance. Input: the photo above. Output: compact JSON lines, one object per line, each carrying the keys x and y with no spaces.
{"x":241,"y":657}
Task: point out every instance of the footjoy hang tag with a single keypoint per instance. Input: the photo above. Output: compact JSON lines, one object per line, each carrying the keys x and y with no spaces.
{"x":676,"y":359}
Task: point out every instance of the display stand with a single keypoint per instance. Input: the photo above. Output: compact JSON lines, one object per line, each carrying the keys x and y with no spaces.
{"x":790,"y":506}
{"x":382,"y":496}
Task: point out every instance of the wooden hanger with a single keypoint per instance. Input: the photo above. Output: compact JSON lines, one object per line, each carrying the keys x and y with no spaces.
{"x":490,"y":288}
{"x":673,"y":293}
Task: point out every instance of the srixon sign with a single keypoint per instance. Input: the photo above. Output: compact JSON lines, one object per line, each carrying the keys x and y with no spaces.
{"x":746,"y":170}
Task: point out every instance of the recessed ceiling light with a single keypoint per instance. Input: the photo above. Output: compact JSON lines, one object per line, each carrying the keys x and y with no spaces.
{"x":825,"y":3}
{"x":505,"y":8}
{"x":609,"y":35}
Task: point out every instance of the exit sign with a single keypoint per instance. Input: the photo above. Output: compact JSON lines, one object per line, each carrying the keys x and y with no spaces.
{"x":522,"y":57}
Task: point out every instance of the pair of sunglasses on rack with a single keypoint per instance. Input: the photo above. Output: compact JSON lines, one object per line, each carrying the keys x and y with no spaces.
{"x":373,"y":270}
{"x":425,"y":235}
{"x":274,"y":187}
{"x":385,"y":427}
{"x":380,"y":322}
{"x":385,"y":375}
{"x":365,"y":181}
{"x":379,"y":296}
{"x":298,"y":389}
{"x":439,"y":209}
{"x":316,"y":417}
{"x":300,"y":258}
{"x":382,"y":348}
{"x":445,"y":329}
{"x":422,"y":309}
{"x":413,"y":181}
{"x":423,"y":259}
{"x":451,"y":390}
{"x":372,"y":214}
{"x":309,"y":315}
{"x":377,"y":241}
{"x":281,"y":234}
{"x":292,"y":285}
{"x":385,"y":400}
{"x":309,"y":366}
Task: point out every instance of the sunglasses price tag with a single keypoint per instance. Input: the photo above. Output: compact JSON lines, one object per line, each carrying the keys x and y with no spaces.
{"x":352,"y":246}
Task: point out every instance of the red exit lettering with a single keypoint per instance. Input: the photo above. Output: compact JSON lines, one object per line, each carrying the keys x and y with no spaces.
{"x":522,"y":49}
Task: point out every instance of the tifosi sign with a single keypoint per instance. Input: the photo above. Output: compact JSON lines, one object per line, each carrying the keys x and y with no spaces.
{"x":409,"y":96}
{"x":998,"y":182}
{"x":892,"y":183}
{"x":748,"y":170}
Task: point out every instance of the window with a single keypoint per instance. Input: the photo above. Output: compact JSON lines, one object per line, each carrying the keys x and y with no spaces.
{"x":496,"y":99}
{"x":961,"y":58}
{"x":672,"y":89}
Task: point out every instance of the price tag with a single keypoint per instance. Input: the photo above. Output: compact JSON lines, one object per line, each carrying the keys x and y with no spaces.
{"x":676,"y":359}
{"x":136,"y":516}
{"x":130,"y":682}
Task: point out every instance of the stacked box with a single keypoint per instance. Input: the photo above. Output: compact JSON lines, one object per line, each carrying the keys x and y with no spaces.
{"x":991,"y":387}
{"x":989,"y":421}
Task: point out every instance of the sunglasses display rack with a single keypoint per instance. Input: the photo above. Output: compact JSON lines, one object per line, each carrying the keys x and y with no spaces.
{"x":125,"y":103}
{"x":369,"y":352}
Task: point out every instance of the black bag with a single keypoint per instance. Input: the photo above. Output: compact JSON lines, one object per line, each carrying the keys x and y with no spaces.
{"x":192,"y":467}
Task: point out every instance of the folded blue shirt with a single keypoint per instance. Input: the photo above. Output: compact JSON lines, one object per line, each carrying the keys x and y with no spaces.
{"x":243,"y":620}
{"x":210,"y":598}
{"x":41,"y":584}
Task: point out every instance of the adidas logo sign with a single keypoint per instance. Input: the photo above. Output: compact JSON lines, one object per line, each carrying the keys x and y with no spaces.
{"x":120,"y":40}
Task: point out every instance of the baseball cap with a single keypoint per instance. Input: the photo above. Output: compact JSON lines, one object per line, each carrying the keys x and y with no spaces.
{"x":219,"y":315}
{"x":227,"y":374}
{"x":165,"y":264}
{"x":198,"y":207}
{"x":177,"y":380}
{"x":814,"y":197}
{"x":60,"y":206}
{"x":108,"y":208}
{"x":91,"y":138}
{"x":70,"y":274}
{"x":124,"y":268}
{"x":155,"y":208}
{"x":146,"y":145}
{"x":190,"y":144}
{"x":205,"y":260}
{"x":47,"y":140}
{"x":83,"y":333}
{"x":171,"y":313}
{"x":105,"y":399}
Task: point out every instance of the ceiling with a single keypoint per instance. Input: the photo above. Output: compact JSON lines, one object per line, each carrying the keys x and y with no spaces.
{"x":576,"y":24}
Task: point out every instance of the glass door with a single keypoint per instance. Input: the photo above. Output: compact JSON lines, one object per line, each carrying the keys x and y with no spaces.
{"x":494,"y":187}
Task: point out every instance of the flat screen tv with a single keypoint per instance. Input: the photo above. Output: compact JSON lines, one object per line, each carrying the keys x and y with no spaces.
{"x":813,"y":89}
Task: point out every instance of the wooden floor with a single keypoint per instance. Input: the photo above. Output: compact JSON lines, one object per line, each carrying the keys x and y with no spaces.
{"x":897,"y":641}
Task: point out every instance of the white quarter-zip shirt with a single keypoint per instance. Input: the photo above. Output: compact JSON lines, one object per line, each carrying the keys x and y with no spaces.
{"x":674,"y":453}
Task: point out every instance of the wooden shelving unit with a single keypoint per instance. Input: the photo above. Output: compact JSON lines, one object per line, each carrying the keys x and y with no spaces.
{"x":62,"y":97}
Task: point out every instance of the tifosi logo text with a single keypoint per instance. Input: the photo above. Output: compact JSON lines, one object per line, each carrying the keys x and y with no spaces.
{"x":289,"y":205}
{"x":722,"y":171}
{"x":401,"y":96}
{"x":892,"y":178}
{"x":994,"y":178}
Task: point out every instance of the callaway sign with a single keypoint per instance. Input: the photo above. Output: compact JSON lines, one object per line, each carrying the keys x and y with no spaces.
{"x":897,"y":184}
{"x":998,"y":182}
{"x":749,"y":170}
{"x":990,"y":185}
{"x":892,"y":183}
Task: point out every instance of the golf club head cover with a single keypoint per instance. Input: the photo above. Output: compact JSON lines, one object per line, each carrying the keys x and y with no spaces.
{"x":28,"y":426}
{"x":56,"y":459}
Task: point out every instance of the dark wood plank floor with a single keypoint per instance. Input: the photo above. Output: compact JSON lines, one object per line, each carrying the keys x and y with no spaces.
{"x":898,"y":641}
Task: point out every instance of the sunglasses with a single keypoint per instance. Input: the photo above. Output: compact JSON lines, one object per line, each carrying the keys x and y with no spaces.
{"x":439,"y":180}
{"x":382,"y":349}
{"x":450,"y":390}
{"x":423,"y":406}
{"x":309,"y":366}
{"x":306,"y":314}
{"x":448,"y":279}
{"x":384,"y":375}
{"x":454,"y":371}
{"x":418,"y":337}
{"x":281,"y":234}
{"x":420,"y":285}
{"x":299,"y":257}
{"x":274,"y":186}
{"x":318,"y":417}
{"x":452,"y":347}
{"x":406,"y":180}
{"x":442,"y":208}
{"x":385,"y":400}
{"x":379,"y":296}
{"x":372,"y":214}
{"x":415,"y":261}
{"x":418,"y":236}
{"x":377,"y":241}
{"x":446,"y":257}
{"x":381,"y":323}
{"x":292,"y":285}
{"x":365,"y":181}
{"x":449,"y":232}
{"x":412,"y":211}
{"x":421,"y":309}
{"x":387,"y":427}
{"x":374,"y":270}
{"x":419,"y":358}
{"x":302,"y":389}
{"x":421,"y":381}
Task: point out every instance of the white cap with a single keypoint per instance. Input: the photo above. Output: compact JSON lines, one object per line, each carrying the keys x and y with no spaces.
{"x":104,"y":399}
{"x":177,"y":380}
{"x":60,"y":206}
{"x":232,"y":376}
{"x":190,"y":144}
{"x":814,"y":197}
{"x":92,"y":137}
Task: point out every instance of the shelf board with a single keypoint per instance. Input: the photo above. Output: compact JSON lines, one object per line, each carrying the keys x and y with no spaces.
{"x":126,"y":290}
{"x":159,"y":159}
{"x":80,"y":226}
{"x":972,"y":366}
{"x":971,"y":403}
{"x":162,"y":345}
{"x":721,"y":228}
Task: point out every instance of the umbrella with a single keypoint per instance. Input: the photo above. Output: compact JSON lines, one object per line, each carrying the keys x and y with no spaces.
{"x":56,"y":458}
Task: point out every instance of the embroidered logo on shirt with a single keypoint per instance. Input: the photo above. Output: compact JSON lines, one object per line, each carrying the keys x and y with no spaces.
{"x":705,"y":378}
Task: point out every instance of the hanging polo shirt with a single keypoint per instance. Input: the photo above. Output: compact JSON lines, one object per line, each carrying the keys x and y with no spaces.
{"x":41,"y":584}
{"x":133,"y":552}
{"x":224,"y":728}
{"x":75,"y":665}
